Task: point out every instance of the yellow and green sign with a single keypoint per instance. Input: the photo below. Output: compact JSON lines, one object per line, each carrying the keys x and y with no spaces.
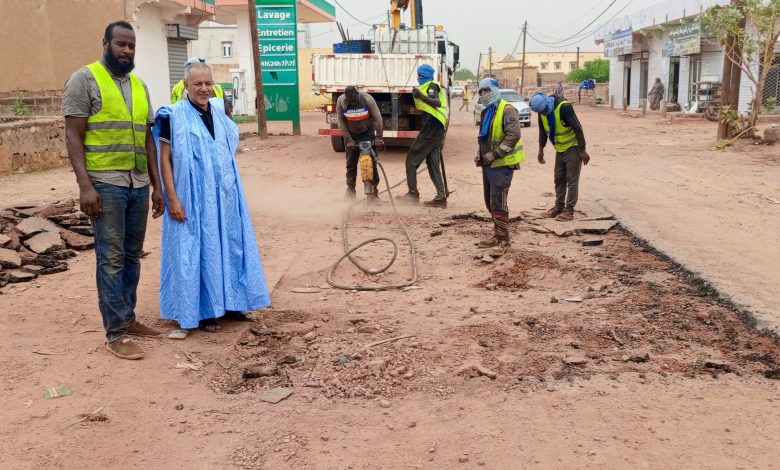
{"x":277,"y":33}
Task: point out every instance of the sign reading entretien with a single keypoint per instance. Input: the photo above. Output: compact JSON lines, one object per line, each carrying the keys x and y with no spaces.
{"x":277,"y":33}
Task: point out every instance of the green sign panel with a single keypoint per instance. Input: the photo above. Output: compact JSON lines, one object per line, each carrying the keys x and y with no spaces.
{"x":277,"y":33}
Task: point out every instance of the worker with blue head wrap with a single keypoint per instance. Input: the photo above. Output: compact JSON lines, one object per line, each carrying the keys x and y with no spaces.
{"x":431,"y":99}
{"x":559,"y":124}
{"x":500,"y":152}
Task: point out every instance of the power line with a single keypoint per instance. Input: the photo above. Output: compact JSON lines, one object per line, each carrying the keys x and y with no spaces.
{"x":581,"y":30}
{"x":382,"y":15}
{"x":351,"y":15}
{"x":577,"y":19}
{"x":585,"y":34}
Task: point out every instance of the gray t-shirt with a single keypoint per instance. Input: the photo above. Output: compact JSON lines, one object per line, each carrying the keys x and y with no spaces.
{"x":81,"y":98}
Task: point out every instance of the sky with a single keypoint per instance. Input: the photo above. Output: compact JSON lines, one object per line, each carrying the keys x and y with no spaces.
{"x":476,"y":26}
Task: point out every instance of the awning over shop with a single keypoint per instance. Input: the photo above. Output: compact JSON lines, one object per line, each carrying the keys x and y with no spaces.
{"x":308,"y":11}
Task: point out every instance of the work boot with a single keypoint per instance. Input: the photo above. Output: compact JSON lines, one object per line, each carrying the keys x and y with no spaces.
{"x":411,"y":199}
{"x":125,"y":348}
{"x":566,"y":215}
{"x":552,"y":213}
{"x":138,"y":329}
{"x":489,"y":242}
{"x":500,"y":249}
{"x":440,"y":202}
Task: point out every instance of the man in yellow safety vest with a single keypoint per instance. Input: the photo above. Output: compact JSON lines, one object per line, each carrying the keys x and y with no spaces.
{"x":500,"y":154}
{"x":108,"y":121}
{"x":559,"y":124}
{"x":431,"y":99}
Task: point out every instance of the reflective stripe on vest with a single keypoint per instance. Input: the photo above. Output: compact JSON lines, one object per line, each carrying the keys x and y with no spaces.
{"x":439,"y":113}
{"x":218,"y":92}
{"x":565,"y":138}
{"x":517,"y":155}
{"x":115,"y":140}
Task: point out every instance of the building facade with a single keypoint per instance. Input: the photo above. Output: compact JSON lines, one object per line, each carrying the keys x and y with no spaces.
{"x":550,"y":66}
{"x":52,"y":49}
{"x":667,"y":41}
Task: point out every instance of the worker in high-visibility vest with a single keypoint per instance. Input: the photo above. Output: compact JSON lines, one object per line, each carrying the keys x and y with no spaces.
{"x":178,"y":91}
{"x":431,"y":99}
{"x":499,"y":155}
{"x":108,"y":122}
{"x":559,"y":124}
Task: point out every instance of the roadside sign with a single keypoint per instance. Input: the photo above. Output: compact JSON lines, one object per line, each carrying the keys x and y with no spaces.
{"x":277,"y":33}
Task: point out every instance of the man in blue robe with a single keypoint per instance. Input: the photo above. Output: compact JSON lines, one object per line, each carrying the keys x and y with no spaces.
{"x":210,"y":264}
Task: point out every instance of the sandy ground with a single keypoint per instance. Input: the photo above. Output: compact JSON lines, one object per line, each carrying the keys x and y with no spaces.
{"x":648,"y":371}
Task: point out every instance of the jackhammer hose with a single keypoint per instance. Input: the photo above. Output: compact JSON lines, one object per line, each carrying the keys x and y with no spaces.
{"x":349,"y":251}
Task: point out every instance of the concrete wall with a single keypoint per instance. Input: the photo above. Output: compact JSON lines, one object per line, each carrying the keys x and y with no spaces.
{"x":32,"y":144}
{"x":46,"y":41}
{"x":309,"y":100}
{"x":151,"y":54}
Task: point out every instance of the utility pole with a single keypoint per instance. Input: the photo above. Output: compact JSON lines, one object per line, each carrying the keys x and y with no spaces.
{"x":262,"y":125}
{"x":578,"y":56}
{"x":490,"y":61}
{"x":522,"y":67}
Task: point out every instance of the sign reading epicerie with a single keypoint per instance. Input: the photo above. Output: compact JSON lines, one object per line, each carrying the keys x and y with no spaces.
{"x":277,"y":33}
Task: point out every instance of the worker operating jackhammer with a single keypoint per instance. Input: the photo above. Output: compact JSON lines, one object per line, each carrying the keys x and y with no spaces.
{"x":361,"y":123}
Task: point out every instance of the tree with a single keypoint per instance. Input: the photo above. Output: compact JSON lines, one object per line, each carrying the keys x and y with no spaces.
{"x":751,"y":50}
{"x":465,"y":74}
{"x":597,"y":69}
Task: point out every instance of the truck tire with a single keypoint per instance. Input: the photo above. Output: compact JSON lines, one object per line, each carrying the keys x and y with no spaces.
{"x":338,"y":143}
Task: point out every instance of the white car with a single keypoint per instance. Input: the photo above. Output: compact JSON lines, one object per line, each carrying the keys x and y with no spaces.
{"x":456,"y":91}
{"x":513,"y":98}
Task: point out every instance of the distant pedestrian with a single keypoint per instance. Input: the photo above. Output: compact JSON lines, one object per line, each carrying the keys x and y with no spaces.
{"x":211,"y":265}
{"x":499,"y":154}
{"x":559,"y":124}
{"x":558,"y":90}
{"x":108,"y":121}
{"x":587,"y":84}
{"x":432,"y":101}
{"x":656,"y":95}
{"x":465,"y":99}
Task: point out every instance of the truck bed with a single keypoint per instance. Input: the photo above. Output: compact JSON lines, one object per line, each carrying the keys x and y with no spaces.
{"x":372,"y":73}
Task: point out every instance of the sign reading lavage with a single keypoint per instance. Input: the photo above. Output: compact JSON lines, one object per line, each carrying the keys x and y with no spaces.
{"x":684,"y":39}
{"x":277,"y":33}
{"x":619,"y":43}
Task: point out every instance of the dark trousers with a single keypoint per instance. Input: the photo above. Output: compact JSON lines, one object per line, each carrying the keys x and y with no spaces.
{"x":353,"y":156}
{"x":428,"y":151}
{"x":496,"y":183}
{"x":567,"y":178}
{"x":119,"y":238}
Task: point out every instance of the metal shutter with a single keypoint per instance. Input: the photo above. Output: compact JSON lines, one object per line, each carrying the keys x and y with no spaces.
{"x":177,"y":56}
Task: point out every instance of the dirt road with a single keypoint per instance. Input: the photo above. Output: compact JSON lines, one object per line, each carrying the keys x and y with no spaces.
{"x":498,"y":369}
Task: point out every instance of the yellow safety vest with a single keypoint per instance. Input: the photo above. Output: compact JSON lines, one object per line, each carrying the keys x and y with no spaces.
{"x":177,"y":92}
{"x":115,"y":139}
{"x":439,"y":113}
{"x":564,"y":136}
{"x":517,"y":155}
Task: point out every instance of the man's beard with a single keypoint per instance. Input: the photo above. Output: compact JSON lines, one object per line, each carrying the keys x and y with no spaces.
{"x":115,"y":65}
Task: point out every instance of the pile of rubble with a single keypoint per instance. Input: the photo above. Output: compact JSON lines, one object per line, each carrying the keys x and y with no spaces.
{"x":37,"y":240}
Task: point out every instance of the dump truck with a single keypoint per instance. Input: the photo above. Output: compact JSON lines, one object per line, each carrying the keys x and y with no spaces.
{"x":386,"y":68}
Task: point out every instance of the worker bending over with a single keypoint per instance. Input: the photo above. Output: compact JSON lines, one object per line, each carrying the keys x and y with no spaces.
{"x":431,"y":100}
{"x":360,"y":121}
{"x":559,"y":124}
{"x":500,"y":154}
